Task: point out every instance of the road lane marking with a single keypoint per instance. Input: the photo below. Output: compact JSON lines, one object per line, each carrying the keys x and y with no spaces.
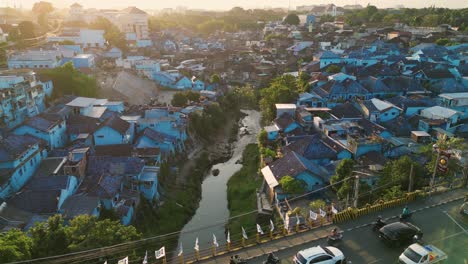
{"x":455,"y":221}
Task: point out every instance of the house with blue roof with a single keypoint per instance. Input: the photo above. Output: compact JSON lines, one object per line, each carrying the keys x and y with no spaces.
{"x":379,"y":111}
{"x":286,"y":123}
{"x":148,"y":139}
{"x":168,"y":121}
{"x":335,"y":91}
{"x":411,"y":106}
{"x":45,"y":195}
{"x":327,"y":57}
{"x":113,"y":131}
{"x":20,"y":157}
{"x":48,"y":127}
{"x":318,"y":149}
{"x":456,"y":101}
{"x":312,"y":175}
{"x":310,"y":100}
{"x":439,"y":118}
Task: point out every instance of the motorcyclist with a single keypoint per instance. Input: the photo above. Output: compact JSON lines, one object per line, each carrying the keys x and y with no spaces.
{"x":379,"y":221}
{"x":405,"y":212}
{"x":334,"y":232}
{"x":271,"y":258}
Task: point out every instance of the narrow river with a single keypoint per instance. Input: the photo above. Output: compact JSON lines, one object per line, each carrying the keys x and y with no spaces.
{"x":213,"y":212}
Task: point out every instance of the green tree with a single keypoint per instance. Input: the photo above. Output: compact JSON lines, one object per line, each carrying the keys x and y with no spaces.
{"x":291,"y":185}
{"x":49,"y":238}
{"x":15,"y":245}
{"x":26,"y":30}
{"x":193,"y":96}
{"x":282,"y":89}
{"x":333,"y":69}
{"x":292,"y":19}
{"x":42,"y":10}
{"x":343,"y":171}
{"x":215,"y":78}
{"x":179,"y":99}
{"x":67,"y":80}
{"x":327,"y":18}
{"x":263,"y":138}
{"x":302,"y":82}
{"x":316,"y":204}
{"x":111,"y":33}
{"x":86,"y":232}
{"x":397,"y":173}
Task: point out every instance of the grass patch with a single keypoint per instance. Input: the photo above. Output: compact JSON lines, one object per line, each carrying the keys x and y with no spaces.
{"x":242,"y":188}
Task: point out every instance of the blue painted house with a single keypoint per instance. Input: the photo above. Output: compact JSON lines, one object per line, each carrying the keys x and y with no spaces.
{"x":286,"y":123}
{"x":335,"y":91}
{"x":320,"y":150}
{"x":272,"y":132}
{"x":20,"y":157}
{"x":327,"y":57}
{"x":48,"y":127}
{"x":167,"y":144}
{"x":379,"y":111}
{"x":312,"y":175}
{"x":45,"y":195}
{"x":113,"y":131}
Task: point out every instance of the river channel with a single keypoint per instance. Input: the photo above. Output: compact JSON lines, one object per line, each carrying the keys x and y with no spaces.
{"x":213,"y":212}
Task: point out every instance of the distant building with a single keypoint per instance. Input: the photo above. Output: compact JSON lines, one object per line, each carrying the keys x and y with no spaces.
{"x":35,"y":59}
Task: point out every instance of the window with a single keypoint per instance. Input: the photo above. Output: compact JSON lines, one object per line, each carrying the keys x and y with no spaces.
{"x":100,"y":136}
{"x":321,"y":259}
{"x":31,"y":162}
{"x":386,"y":114}
{"x":21,"y":171}
{"x":393,"y":113}
{"x":147,"y":185}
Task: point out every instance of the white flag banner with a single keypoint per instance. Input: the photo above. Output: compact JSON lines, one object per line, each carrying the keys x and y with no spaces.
{"x":181,"y":250}
{"x":105,"y":262}
{"x":259,"y":229}
{"x":228,"y":237}
{"x":215,"y":241}
{"x":244,"y":234}
{"x":197,"y":247}
{"x":272,"y":226}
{"x":333,"y":209}
{"x":160,"y":253}
{"x":313,"y":215}
{"x":298,"y":220}
{"x":145,"y":260}
{"x":322,"y":212}
{"x":123,"y":261}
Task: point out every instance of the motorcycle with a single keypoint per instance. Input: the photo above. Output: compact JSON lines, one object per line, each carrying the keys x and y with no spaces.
{"x":272,"y":259}
{"x":404,"y":217}
{"x":335,"y":240}
{"x":237,"y":260}
{"x":377,"y":225}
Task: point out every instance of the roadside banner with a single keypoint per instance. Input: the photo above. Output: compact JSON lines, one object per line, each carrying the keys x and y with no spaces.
{"x":272,"y":226}
{"x":181,"y":250}
{"x":313,"y":215}
{"x":215,"y":241}
{"x":145,"y":260}
{"x":333,"y":209}
{"x":123,"y":261}
{"x":244,"y":234}
{"x":228,"y":237}
{"x":259,"y":229}
{"x":322,"y":212}
{"x":160,"y":253}
{"x":196,"y":245}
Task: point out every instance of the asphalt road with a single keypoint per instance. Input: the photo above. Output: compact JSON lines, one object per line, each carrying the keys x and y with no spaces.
{"x":442,"y":225}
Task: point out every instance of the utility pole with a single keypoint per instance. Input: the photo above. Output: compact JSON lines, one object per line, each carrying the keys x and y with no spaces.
{"x":435,"y":169}
{"x":410,"y":185}
{"x":356,"y":191}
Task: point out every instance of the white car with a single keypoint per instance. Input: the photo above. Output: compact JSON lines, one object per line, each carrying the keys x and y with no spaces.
{"x":320,"y":255}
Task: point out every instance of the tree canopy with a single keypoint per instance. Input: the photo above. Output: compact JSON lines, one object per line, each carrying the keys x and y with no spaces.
{"x":111,"y":33}
{"x":291,"y":185}
{"x":343,"y":171}
{"x":54,"y":237}
{"x":68,"y":80}
{"x":292,"y":19}
{"x":282,"y":89}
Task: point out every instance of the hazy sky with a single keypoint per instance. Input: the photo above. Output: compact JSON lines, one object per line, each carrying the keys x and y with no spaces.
{"x":227,"y":4}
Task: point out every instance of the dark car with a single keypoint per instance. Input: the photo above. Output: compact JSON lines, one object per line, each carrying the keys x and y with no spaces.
{"x":399,"y":233}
